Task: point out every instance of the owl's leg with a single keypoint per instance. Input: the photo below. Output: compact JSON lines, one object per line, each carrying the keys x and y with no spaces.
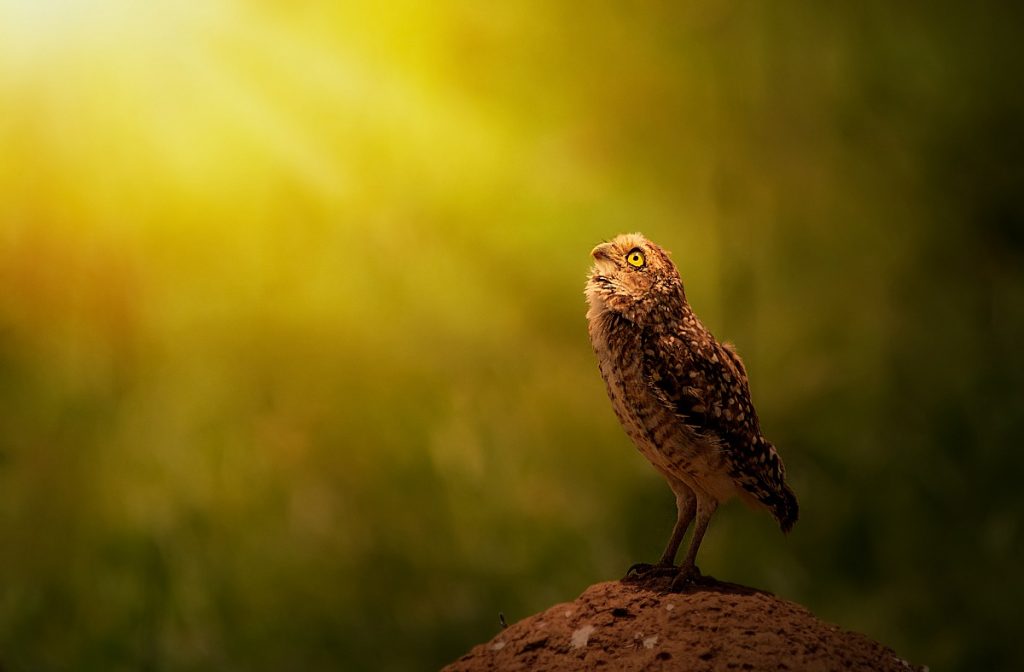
{"x":688,"y":571}
{"x":686,"y":505}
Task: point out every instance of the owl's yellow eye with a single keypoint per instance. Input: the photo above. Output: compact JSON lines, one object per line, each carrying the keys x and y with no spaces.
{"x":636,"y":259}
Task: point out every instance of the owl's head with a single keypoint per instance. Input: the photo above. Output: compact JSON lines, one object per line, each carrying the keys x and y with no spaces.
{"x":635,"y":278}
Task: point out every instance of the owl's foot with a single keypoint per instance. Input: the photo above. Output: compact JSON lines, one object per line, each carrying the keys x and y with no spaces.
{"x":686,"y":575}
{"x":642,"y":571}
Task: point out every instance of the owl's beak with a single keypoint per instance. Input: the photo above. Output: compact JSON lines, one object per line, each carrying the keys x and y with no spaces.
{"x":602,"y":251}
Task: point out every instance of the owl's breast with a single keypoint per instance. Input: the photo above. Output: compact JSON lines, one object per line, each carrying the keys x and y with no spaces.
{"x":676,"y":450}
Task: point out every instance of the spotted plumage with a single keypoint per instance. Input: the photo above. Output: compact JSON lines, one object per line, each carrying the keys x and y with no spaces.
{"x":682,"y":397}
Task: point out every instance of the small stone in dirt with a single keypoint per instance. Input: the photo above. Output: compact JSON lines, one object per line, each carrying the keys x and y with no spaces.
{"x":581,"y":636}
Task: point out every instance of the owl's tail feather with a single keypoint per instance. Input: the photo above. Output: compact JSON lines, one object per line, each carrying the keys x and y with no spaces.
{"x":785,"y":508}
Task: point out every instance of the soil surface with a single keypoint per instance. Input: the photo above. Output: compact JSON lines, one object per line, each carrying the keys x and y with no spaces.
{"x":711,"y":626}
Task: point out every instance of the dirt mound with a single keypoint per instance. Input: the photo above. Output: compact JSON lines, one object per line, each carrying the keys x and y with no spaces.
{"x":713,"y":626}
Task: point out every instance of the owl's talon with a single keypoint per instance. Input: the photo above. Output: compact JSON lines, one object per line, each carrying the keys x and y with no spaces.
{"x":643,"y":570}
{"x":685,"y":576}
{"x":638,"y":569}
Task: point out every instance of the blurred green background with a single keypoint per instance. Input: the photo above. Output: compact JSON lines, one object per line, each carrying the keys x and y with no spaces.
{"x":294,"y":371}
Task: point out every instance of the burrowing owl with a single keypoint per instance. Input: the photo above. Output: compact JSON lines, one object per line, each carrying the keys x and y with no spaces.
{"x":681,"y":396}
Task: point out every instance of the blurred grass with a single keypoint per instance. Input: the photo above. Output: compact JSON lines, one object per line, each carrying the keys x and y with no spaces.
{"x":293,"y":365}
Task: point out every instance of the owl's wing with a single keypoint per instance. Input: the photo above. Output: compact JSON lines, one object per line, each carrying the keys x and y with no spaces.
{"x":705,"y":384}
{"x":730,"y":351}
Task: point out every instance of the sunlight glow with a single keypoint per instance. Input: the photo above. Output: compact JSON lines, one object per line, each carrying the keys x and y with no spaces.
{"x":173,"y":105}
{"x":33,"y":31}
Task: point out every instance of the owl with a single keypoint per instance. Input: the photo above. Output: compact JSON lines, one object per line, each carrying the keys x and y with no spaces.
{"x":681,"y":396}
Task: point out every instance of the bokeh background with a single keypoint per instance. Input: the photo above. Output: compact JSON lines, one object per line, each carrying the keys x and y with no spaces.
{"x":294,"y":371}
